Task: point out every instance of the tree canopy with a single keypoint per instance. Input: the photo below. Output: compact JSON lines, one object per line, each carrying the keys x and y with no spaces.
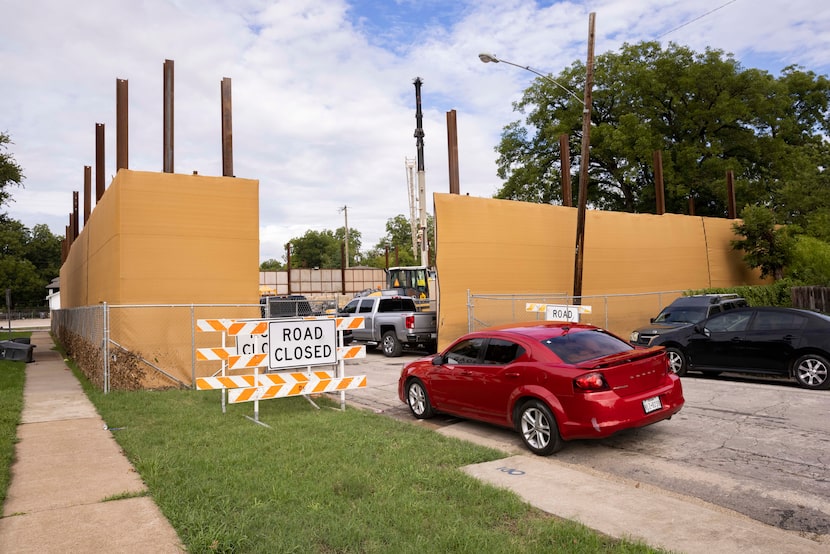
{"x":10,"y":172}
{"x":704,"y":112}
{"x":323,"y":248}
{"x":29,"y":260}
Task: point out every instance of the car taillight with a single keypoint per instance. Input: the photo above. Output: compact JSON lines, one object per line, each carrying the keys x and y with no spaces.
{"x":591,"y":381}
{"x":410,"y":322}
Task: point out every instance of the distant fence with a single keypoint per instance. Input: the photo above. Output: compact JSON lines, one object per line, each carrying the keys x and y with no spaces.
{"x":25,"y":313}
{"x":321,"y":281}
{"x":619,"y":313}
{"x":811,"y":298}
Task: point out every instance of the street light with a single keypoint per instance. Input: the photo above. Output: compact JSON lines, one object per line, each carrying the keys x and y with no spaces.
{"x":490,"y":58}
{"x":586,"y":145}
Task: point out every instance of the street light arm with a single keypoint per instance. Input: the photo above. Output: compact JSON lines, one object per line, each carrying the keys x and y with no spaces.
{"x":487,"y":58}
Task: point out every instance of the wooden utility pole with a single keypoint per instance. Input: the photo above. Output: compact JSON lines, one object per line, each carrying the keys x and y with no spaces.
{"x":583,"y":164}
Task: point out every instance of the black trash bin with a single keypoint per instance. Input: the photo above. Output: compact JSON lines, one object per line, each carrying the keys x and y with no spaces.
{"x":16,"y":351}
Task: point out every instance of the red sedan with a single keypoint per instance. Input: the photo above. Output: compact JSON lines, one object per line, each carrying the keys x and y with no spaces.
{"x":552,"y":382}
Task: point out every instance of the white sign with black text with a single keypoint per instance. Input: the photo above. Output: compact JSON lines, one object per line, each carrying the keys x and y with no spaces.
{"x":297,"y":343}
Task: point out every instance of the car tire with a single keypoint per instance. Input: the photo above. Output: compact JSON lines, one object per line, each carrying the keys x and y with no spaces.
{"x":391,"y":346}
{"x":418,"y":400}
{"x":538,"y":429}
{"x":677,"y":361}
{"x":812,"y":371}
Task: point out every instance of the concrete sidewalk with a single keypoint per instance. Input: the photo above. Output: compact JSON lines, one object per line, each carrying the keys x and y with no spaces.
{"x":66,"y":467}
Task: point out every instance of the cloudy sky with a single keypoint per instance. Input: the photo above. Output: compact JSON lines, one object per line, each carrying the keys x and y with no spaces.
{"x":323,"y":95}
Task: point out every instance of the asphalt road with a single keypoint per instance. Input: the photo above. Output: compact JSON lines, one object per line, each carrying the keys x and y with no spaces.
{"x":758,"y":447}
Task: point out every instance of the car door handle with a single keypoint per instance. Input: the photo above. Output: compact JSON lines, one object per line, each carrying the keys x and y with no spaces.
{"x":788,"y":338}
{"x":465,"y":372}
{"x":737,"y":339}
{"x":512,"y":374}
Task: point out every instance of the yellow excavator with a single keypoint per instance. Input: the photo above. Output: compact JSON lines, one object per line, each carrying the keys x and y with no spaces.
{"x":417,"y":281}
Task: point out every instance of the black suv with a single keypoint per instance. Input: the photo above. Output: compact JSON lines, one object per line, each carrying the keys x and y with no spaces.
{"x":686,"y":310}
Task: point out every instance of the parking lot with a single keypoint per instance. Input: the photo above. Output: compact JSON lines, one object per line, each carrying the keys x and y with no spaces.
{"x":757,"y":447}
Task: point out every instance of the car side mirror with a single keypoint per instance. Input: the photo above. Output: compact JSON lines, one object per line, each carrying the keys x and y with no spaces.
{"x":702,"y":330}
{"x":652,"y":319}
{"x":438,"y":360}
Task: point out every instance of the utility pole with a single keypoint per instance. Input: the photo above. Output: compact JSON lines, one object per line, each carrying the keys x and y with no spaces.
{"x":422,"y":195}
{"x":583,"y":164}
{"x":345,"y":210}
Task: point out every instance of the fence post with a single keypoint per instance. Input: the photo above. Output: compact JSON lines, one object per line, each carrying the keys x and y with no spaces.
{"x":470,"y":312}
{"x":106,"y":349}
{"x":192,"y":346}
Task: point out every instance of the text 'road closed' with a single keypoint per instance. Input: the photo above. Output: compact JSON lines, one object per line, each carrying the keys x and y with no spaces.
{"x":296,"y":343}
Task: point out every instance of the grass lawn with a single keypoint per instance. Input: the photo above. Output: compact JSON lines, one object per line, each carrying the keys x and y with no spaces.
{"x":320,"y":480}
{"x":12,"y":379}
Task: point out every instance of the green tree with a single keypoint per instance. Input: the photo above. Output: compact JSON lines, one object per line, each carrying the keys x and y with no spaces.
{"x":765,"y":245}
{"x":29,"y":260}
{"x":322,"y":249}
{"x":397,"y":242}
{"x":810,"y":264}
{"x":43,"y":249}
{"x":10,"y":172}
{"x":271,"y":265}
{"x":704,"y":112}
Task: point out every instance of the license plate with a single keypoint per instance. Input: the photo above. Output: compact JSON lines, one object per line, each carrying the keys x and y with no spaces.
{"x":652,"y":404}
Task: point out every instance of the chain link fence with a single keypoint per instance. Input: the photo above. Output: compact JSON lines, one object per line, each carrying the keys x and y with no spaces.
{"x":134,"y":347}
{"x":619,"y":313}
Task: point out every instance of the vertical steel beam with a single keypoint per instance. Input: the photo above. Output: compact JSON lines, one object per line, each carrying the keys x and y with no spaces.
{"x":167,"y":139}
{"x":100,"y":183}
{"x":730,"y":194}
{"x":122,"y":140}
{"x":659,"y":186}
{"x":87,"y":192}
{"x":227,"y":128}
{"x":452,"y":153}
{"x":75,"y":218}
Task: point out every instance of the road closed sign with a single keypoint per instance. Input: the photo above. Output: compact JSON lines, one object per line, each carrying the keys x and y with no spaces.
{"x":297,"y":343}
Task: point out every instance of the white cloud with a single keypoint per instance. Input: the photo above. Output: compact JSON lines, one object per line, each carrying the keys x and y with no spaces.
{"x":323,"y":101}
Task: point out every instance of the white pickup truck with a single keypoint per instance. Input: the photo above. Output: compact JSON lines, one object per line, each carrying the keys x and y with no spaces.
{"x":392,"y":322}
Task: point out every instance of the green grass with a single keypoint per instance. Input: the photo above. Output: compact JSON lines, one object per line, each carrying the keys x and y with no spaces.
{"x":322,"y":481}
{"x":12,"y":380}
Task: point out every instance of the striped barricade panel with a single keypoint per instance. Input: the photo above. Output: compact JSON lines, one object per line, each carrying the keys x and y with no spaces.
{"x":225,"y":382}
{"x":312,"y":386}
{"x":351,"y":352}
{"x":213,"y":354}
{"x":247,"y":360}
{"x":338,"y":384}
{"x":348,"y":323}
{"x":213,"y":325}
{"x":248,"y":328}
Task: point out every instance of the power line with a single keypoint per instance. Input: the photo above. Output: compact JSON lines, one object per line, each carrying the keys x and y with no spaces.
{"x":696,"y":19}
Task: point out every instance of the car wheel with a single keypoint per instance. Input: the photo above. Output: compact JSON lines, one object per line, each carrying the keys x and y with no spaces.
{"x":811,"y":372}
{"x":390,"y":344}
{"x":418,"y":400}
{"x":538,"y":429}
{"x":677,"y":361}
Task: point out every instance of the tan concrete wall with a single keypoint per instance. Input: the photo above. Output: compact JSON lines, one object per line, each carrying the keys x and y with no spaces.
{"x":507,"y":247}
{"x":161,"y":238}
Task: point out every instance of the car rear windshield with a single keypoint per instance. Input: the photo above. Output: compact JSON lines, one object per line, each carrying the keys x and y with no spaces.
{"x":681,"y":315}
{"x":581,"y":346}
